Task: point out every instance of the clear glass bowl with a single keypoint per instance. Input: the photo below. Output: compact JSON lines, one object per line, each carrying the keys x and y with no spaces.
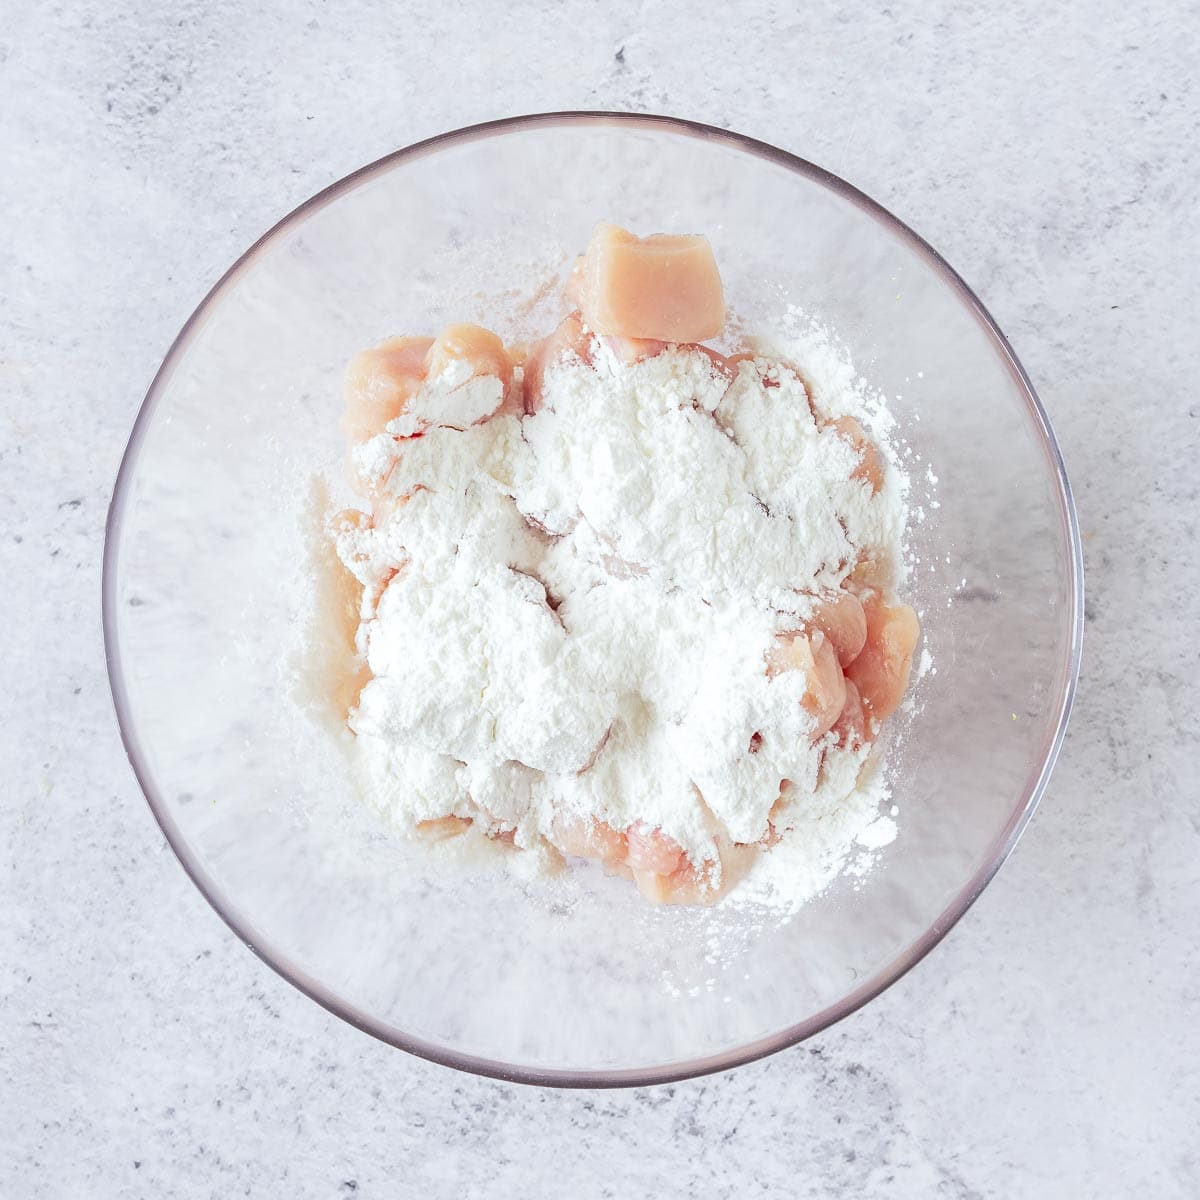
{"x":204,"y":584}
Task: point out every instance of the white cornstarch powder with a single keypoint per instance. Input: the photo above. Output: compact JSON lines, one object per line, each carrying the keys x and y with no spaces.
{"x":569,"y":611}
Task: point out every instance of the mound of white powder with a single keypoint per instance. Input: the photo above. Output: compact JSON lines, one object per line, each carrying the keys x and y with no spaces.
{"x":570,"y":610}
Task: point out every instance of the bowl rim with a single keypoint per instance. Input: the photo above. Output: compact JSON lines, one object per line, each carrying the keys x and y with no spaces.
{"x":670,"y":1072}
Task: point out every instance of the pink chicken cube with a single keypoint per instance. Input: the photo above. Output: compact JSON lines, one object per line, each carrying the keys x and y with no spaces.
{"x":684,"y":885}
{"x":825,"y":686}
{"x":441,"y":829}
{"x":587,"y":837}
{"x":665,"y":287}
{"x":842,"y":620}
{"x":652,"y":850}
{"x":569,"y":340}
{"x":380,"y":383}
{"x":881,"y":671}
{"x":870,"y":464}
{"x":479,"y":349}
{"x":850,"y":728}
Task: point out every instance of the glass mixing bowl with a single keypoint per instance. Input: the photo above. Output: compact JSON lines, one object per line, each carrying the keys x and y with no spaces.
{"x":205,"y":589}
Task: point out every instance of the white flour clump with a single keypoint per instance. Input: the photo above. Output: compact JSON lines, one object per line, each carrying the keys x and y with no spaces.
{"x":566,"y":615}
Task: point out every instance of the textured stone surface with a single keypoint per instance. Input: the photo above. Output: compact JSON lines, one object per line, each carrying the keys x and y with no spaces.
{"x":1050,"y":1046}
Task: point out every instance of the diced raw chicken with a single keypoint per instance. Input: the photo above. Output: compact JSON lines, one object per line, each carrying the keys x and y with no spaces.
{"x":851,"y":727}
{"x":586,"y":837}
{"x":655,"y":861}
{"x":842,"y":620}
{"x":881,"y":671}
{"x":349,"y":520}
{"x":664,"y":287}
{"x":514,"y":399}
{"x":570,"y":338}
{"x":380,"y":383}
{"x":640,"y":297}
{"x":775,"y":817}
{"x":825,"y":688}
{"x":335,"y":671}
{"x":440,"y":829}
{"x":826,"y":692}
{"x":477,"y":349}
{"x":682,"y":886}
{"x":862,"y":576}
{"x":652,"y":850}
{"x":870,"y":465}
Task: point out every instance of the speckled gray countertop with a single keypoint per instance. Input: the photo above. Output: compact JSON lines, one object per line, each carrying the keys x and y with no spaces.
{"x":1050,"y":1047}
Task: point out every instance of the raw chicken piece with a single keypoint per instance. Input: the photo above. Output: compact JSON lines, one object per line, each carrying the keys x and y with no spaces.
{"x":868,"y":575}
{"x":518,"y":355}
{"x":441,"y":829}
{"x":570,"y":338}
{"x":825,"y":691}
{"x":776,"y":816}
{"x":639,"y":298}
{"x":870,"y":465}
{"x":665,"y":287}
{"x":403,"y":373}
{"x":842,"y":620}
{"x":652,"y":850}
{"x":851,"y":727}
{"x":586,"y":837}
{"x":336,"y":674}
{"x":881,"y":671}
{"x":350,"y":520}
{"x":682,"y":886}
{"x":661,"y":870}
{"x":380,"y":383}
{"x":475,"y":348}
